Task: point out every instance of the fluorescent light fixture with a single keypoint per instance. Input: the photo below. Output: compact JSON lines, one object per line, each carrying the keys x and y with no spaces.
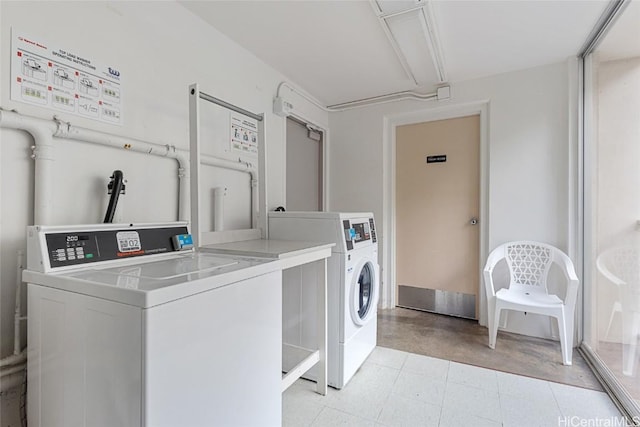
{"x":411,"y":29}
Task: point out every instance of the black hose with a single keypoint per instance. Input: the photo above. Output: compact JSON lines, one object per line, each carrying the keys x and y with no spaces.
{"x":116,"y":186}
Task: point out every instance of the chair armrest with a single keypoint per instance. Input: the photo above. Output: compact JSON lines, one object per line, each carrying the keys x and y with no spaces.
{"x":494,"y":257}
{"x":567,"y":267}
{"x":488,"y":284}
{"x":572,"y":294}
{"x":569,"y":271}
{"x":602,"y":268}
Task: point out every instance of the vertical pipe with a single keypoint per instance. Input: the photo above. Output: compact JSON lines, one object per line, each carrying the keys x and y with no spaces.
{"x":43,"y":154}
{"x":261,"y":208}
{"x":18,"y":309}
{"x":218,"y":208}
{"x":183,"y":188}
{"x":255,"y":203}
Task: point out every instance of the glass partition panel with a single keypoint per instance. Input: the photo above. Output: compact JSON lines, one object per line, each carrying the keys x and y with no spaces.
{"x":612,"y":196}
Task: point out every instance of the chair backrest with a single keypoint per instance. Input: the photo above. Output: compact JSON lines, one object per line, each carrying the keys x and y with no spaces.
{"x":620,"y":264}
{"x":529,"y":264}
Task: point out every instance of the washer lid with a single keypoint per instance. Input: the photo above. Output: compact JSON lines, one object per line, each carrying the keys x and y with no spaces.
{"x":146,"y":284}
{"x":181,"y":266}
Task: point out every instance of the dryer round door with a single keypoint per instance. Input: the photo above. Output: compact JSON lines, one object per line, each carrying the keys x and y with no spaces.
{"x":364,"y":291}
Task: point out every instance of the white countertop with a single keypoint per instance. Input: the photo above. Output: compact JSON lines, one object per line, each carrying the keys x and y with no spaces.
{"x":267,"y":248}
{"x":147,"y":283}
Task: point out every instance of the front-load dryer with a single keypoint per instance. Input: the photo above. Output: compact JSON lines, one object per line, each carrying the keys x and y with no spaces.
{"x":358,"y":319}
{"x":353,"y":287}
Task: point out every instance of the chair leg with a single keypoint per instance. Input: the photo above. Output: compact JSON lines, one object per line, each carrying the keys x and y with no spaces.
{"x":565,"y":330}
{"x":615,"y":309}
{"x":629,"y":352}
{"x":494,"y":319}
{"x":490,"y":317}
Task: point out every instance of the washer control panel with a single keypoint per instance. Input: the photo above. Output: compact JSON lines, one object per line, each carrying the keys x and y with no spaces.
{"x":105,"y":242}
{"x":359,"y":231}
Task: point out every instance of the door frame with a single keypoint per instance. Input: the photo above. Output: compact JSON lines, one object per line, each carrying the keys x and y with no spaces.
{"x":390,"y":123}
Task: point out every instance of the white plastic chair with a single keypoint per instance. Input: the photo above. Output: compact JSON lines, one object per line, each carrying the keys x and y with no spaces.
{"x":621,"y":266}
{"x":529,"y":264}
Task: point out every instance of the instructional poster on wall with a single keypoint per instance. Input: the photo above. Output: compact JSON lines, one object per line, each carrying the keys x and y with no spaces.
{"x":244,"y":134}
{"x":61,"y":79}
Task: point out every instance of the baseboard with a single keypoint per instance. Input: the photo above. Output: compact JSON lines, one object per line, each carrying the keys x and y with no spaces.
{"x":437,"y":301}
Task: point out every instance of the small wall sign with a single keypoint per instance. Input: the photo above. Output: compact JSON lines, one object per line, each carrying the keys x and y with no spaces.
{"x":440,"y":158}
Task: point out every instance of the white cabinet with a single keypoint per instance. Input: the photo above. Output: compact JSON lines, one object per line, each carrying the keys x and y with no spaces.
{"x":209,"y":359}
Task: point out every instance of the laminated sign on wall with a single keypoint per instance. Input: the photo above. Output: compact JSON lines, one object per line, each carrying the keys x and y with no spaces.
{"x":244,"y":134}
{"x":63,"y":80}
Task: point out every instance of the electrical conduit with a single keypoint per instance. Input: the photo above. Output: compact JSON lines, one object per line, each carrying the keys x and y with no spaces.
{"x":374,"y":100}
{"x":12,"y":365}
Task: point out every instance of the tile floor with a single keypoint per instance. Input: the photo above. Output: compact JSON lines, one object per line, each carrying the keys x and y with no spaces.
{"x":396,"y":388}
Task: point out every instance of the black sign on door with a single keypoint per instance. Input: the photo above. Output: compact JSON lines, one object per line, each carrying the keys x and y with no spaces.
{"x":440,"y":158}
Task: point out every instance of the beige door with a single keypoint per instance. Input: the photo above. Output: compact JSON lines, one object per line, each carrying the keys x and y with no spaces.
{"x":437,"y":207}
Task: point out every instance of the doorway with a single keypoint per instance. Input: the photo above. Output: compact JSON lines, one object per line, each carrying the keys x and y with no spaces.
{"x":304,"y":168}
{"x":437,"y":194}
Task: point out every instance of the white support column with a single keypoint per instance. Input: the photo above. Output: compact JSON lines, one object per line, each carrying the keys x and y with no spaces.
{"x":322,"y":326}
{"x":194,"y":161}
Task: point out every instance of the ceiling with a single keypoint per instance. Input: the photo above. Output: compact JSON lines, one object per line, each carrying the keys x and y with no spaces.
{"x":338,"y":50}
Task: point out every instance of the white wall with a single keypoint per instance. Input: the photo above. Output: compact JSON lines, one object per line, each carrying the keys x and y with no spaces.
{"x":529,"y":176}
{"x":160,"y":49}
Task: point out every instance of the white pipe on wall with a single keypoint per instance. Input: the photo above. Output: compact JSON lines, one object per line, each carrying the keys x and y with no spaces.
{"x":218,"y":208}
{"x":254,"y":201}
{"x":374,"y":100}
{"x":17,"y":316}
{"x":10,"y":370}
{"x":43,"y":154}
{"x":184,"y":208}
{"x":11,"y":376}
{"x":67,"y":131}
{"x":43,"y":132}
{"x":239,"y":166}
{"x":14,"y":359}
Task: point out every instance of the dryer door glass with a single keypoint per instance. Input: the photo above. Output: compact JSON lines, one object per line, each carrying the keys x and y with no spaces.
{"x":365,"y":290}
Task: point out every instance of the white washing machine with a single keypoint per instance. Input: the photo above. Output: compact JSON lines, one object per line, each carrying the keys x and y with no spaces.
{"x":128,"y":326}
{"x":353,"y":287}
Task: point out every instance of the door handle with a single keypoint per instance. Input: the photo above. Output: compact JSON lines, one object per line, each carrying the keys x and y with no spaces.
{"x":473,"y":221}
